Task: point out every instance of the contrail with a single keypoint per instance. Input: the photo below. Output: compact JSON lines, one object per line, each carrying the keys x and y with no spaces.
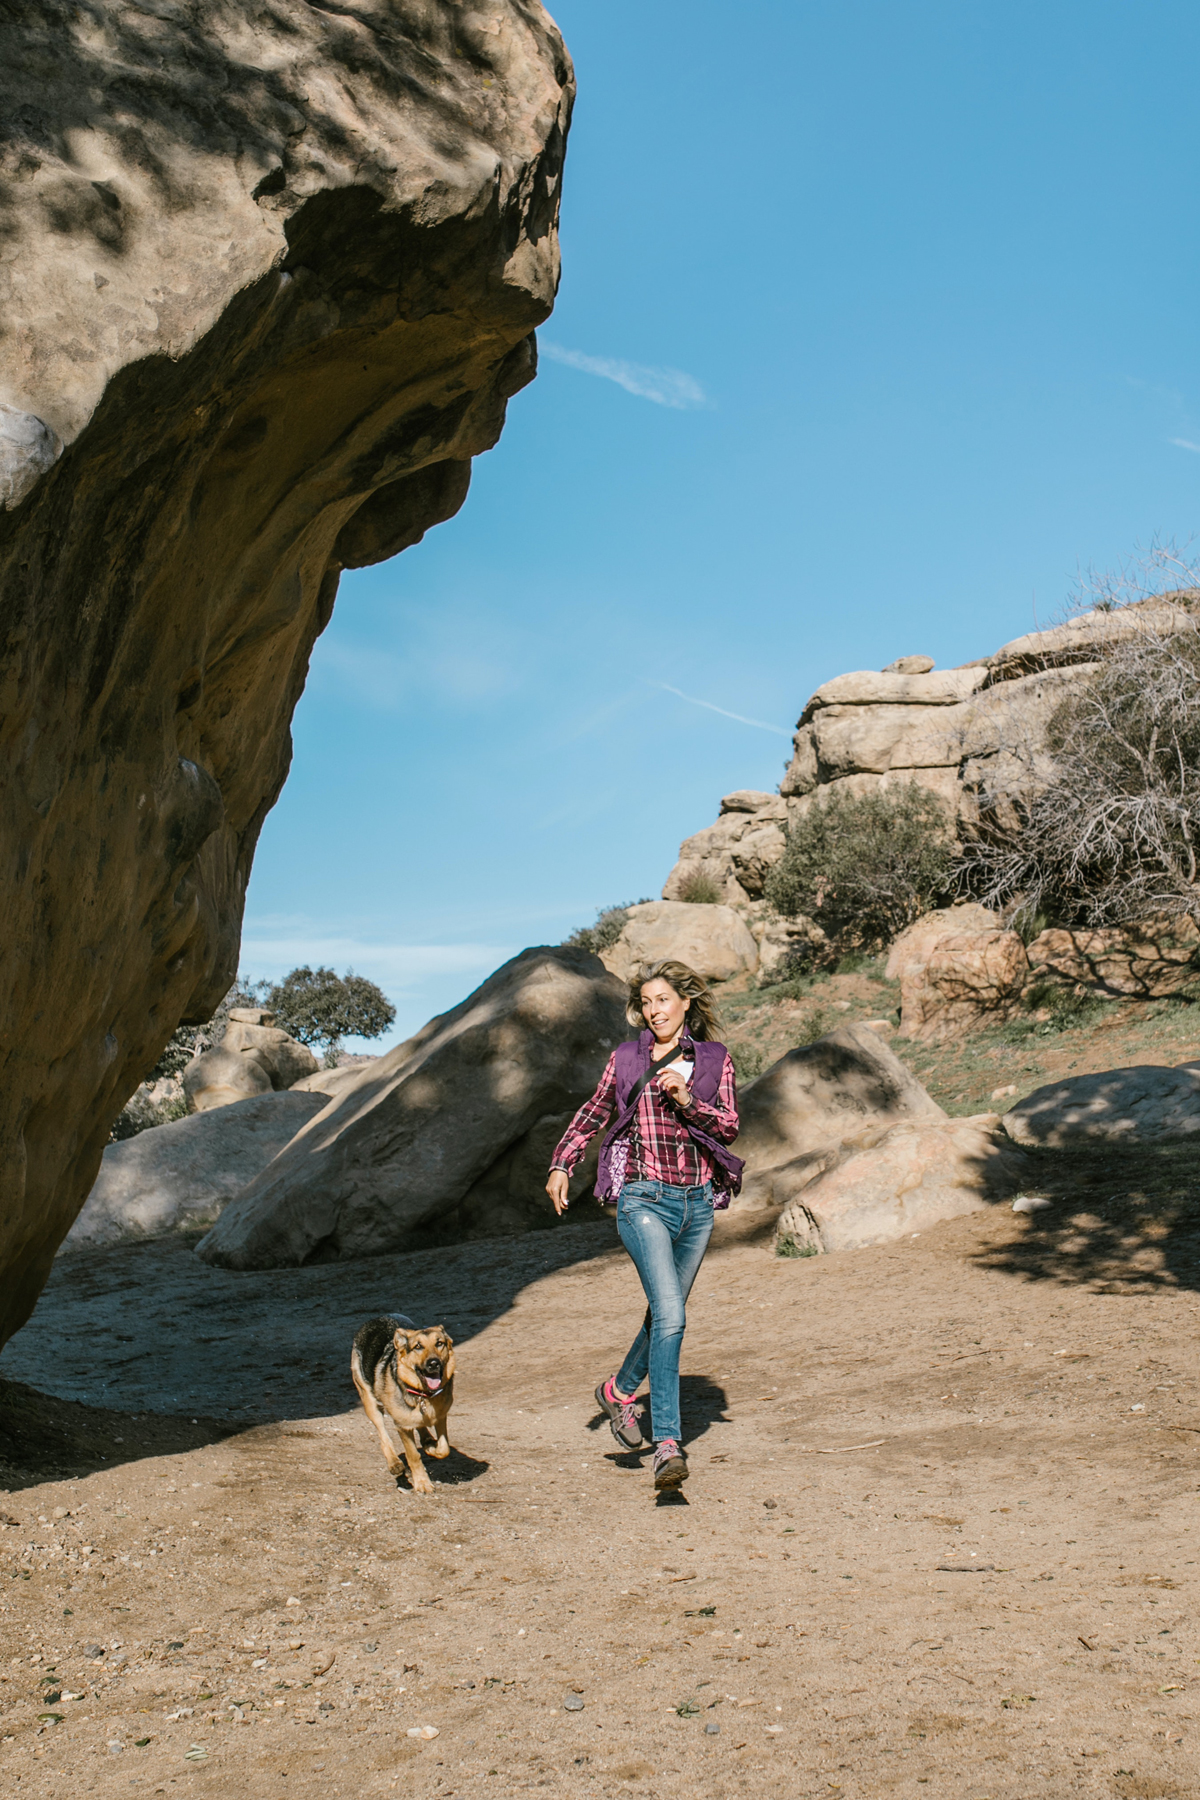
{"x":758,"y":724}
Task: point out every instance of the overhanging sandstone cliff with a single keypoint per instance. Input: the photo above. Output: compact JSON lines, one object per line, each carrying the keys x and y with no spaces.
{"x":271,"y":277}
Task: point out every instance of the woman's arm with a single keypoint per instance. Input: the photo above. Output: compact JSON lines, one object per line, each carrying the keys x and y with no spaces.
{"x":719,"y":1118}
{"x":592,"y":1115}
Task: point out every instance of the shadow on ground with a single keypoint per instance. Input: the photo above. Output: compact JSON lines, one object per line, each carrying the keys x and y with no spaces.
{"x":1121,"y":1220}
{"x":145,"y":1350}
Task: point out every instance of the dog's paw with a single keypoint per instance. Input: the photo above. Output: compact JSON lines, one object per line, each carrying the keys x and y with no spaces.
{"x":440,"y":1450}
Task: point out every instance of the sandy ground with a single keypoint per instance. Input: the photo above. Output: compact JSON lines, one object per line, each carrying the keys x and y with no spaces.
{"x":939,"y":1537}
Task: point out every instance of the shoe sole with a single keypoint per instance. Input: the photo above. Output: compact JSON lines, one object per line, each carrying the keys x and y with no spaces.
{"x":671,"y":1475}
{"x":606,"y":1408}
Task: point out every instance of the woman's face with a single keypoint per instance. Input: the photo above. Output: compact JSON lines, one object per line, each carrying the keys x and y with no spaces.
{"x":663,"y":1010}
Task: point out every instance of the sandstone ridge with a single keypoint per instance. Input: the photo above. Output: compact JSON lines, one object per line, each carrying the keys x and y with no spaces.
{"x":272,"y":276}
{"x":970,"y":735}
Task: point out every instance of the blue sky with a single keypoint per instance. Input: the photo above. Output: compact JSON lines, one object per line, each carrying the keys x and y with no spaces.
{"x":877,"y":324}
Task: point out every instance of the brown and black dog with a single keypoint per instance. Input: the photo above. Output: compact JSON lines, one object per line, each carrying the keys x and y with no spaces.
{"x":408,"y":1375}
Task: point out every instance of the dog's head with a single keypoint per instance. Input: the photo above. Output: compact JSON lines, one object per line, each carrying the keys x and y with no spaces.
{"x":425,"y":1359}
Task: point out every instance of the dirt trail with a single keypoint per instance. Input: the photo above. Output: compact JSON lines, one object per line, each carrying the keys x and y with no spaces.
{"x":939,"y":1537}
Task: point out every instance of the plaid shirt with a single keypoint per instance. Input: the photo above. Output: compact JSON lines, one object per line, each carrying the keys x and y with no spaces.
{"x":660,"y":1148}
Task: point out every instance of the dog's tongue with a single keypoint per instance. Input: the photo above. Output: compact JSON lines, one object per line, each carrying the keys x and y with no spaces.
{"x":434,"y":1382}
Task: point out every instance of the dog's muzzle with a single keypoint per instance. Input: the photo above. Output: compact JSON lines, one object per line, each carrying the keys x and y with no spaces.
{"x":432,"y":1371}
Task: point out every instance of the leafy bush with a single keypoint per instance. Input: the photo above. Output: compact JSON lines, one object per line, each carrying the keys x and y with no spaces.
{"x":700,"y":890}
{"x":863,"y":866}
{"x":318,"y":1007}
{"x":748,"y":1060}
{"x":610,"y":922}
{"x":135,"y":1118}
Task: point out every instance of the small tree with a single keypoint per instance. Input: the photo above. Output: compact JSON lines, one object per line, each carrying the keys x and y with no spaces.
{"x":1113,"y":835}
{"x":318,"y":1007}
{"x":610,"y":922}
{"x":863,"y":866}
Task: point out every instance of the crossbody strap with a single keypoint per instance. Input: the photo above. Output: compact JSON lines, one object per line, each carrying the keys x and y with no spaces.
{"x":656,"y":1068}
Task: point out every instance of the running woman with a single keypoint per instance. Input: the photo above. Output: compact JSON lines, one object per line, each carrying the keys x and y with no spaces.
{"x":665,"y":1166}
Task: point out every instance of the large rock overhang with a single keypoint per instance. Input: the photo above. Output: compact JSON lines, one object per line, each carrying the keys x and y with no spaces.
{"x":274,"y":278}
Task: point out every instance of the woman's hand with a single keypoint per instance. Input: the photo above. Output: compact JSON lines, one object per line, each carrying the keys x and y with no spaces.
{"x":556,"y":1187}
{"x":672,"y":1083}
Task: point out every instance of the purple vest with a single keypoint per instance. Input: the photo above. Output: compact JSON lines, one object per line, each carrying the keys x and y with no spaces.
{"x":631,"y":1060}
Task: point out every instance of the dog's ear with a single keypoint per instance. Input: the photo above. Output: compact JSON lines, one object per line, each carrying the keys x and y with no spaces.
{"x":400,"y":1339}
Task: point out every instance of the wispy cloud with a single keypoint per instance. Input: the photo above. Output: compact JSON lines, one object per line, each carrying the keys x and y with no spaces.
{"x":271,"y":953}
{"x":1186,"y":444}
{"x":666,"y":387}
{"x":759,"y":724}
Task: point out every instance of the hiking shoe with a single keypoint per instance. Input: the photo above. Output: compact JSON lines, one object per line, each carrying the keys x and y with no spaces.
{"x":670,"y":1464}
{"x":624,"y":1419}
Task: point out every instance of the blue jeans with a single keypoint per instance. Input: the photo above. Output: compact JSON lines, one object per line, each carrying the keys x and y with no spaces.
{"x":666,"y":1231}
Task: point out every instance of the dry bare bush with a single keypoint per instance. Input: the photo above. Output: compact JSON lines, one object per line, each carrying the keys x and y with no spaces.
{"x":1112,"y":836}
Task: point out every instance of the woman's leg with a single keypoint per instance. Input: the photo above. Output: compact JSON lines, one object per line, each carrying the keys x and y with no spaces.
{"x":689,"y":1243}
{"x":636,"y":1367}
{"x":666,"y":1240}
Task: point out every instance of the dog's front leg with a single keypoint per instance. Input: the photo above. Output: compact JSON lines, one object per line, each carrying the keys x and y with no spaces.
{"x":437,"y":1430}
{"x":416,"y":1468}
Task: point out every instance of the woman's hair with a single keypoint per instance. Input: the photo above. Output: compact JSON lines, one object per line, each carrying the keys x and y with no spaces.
{"x":702,"y":1020}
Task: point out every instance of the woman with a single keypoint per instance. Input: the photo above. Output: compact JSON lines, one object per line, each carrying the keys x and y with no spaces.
{"x":664,"y":1165}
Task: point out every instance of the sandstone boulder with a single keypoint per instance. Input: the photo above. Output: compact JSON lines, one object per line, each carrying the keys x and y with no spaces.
{"x":956,"y":967}
{"x":336,"y":1080}
{"x":285,"y":1059}
{"x":713,"y":940}
{"x":780,"y":939}
{"x":1143,"y":1105}
{"x":407,"y":1141}
{"x":220,"y":1077}
{"x":737,"y":853}
{"x":797,"y":1117}
{"x":918,"y":1173}
{"x":177,"y":1177}
{"x":1155,"y":958}
{"x":270,"y":277}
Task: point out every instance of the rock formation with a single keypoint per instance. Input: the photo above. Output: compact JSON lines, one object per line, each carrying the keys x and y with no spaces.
{"x":713,"y":940}
{"x":1143,"y":1105}
{"x":971,"y":735}
{"x":253,"y":1057}
{"x":392,"y":1162}
{"x":799,"y":1115}
{"x":177,"y":1177}
{"x":271,"y":275}
{"x":916,"y":1175}
{"x":960,"y":967}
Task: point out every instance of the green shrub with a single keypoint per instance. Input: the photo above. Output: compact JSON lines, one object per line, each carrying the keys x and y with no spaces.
{"x":786,"y":1245}
{"x":700,"y":890}
{"x":863,"y":866}
{"x":749,"y":1060}
{"x":610,"y":922}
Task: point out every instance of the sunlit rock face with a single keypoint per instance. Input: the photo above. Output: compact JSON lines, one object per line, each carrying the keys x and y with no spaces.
{"x":269,"y":276}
